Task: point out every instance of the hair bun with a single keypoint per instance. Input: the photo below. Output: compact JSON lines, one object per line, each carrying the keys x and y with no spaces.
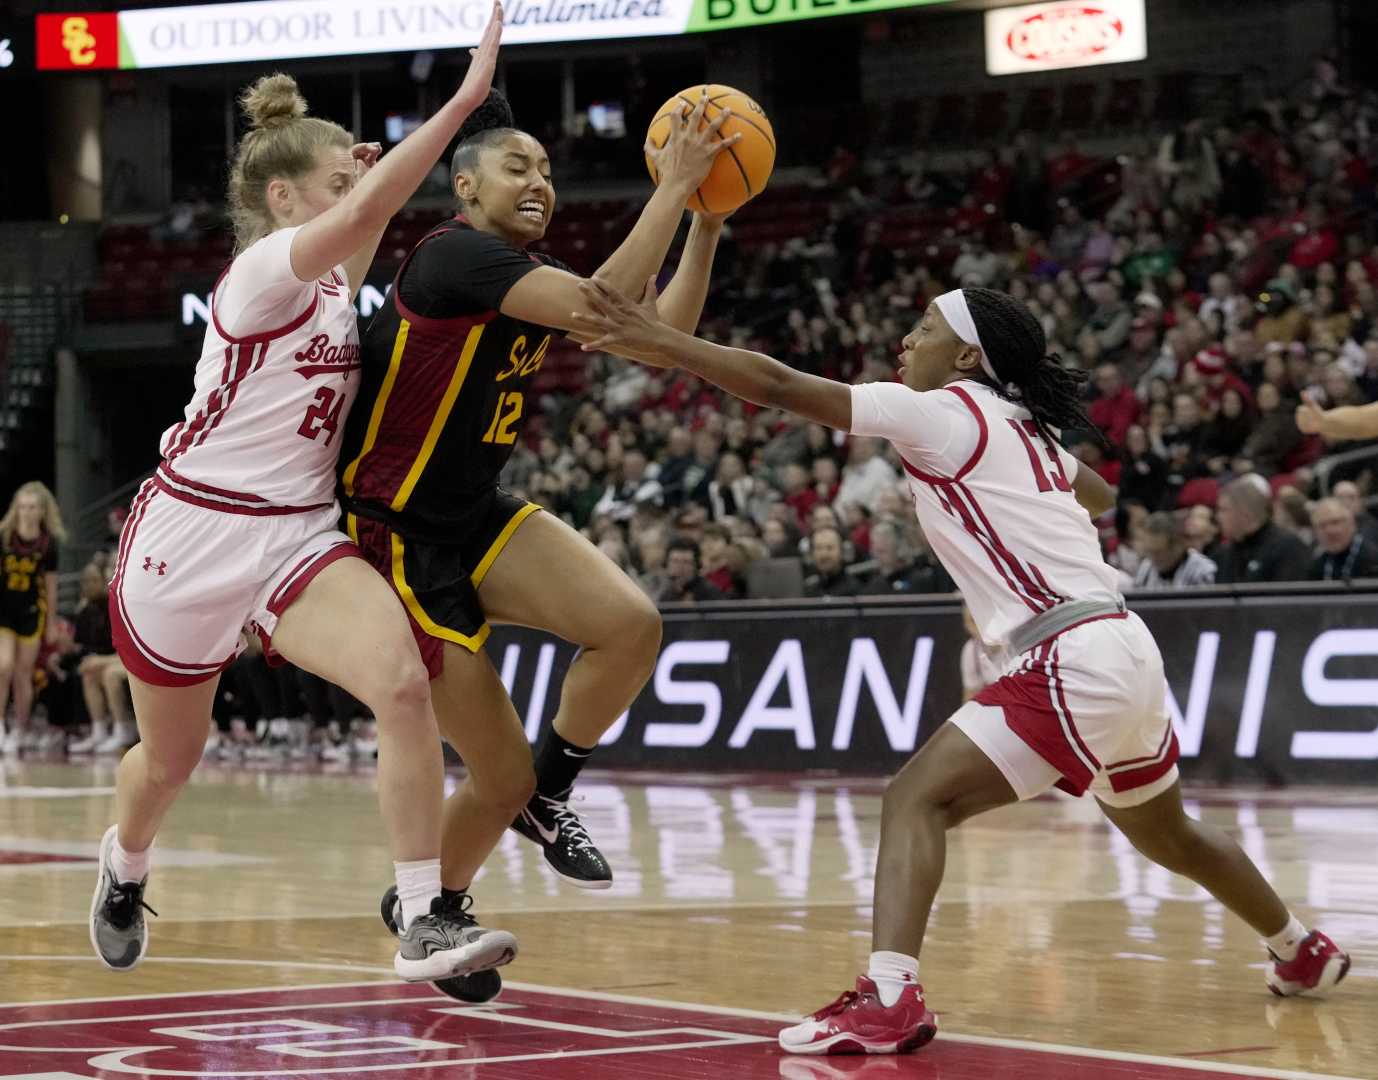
{"x":273,"y":101}
{"x":494,"y":113}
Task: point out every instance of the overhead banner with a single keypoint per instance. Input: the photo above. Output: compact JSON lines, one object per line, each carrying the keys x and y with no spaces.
{"x":1261,"y":690}
{"x":1049,"y":37}
{"x":291,"y":29}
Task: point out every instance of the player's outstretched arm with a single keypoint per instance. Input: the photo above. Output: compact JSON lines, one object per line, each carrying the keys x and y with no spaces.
{"x":1345,"y":422}
{"x":351,"y":223}
{"x":615,"y":323}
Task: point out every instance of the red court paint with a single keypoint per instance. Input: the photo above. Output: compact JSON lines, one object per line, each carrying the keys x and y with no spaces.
{"x":26,"y":858}
{"x":383,"y":1030}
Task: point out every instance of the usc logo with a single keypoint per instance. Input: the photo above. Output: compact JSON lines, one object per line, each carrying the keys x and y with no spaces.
{"x":78,"y":40}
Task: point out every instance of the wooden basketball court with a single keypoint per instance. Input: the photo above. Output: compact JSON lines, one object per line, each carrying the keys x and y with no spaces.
{"x":740,"y":902}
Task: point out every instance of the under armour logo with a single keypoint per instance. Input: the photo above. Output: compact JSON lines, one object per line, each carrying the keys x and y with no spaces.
{"x":150,"y":565}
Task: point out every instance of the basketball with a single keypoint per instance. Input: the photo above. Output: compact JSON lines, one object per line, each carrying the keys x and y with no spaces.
{"x":743,"y":171}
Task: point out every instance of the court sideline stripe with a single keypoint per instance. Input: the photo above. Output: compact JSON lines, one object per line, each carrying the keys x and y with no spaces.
{"x":715,"y":1010}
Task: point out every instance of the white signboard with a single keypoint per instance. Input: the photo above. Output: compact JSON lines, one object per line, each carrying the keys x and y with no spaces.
{"x":225,"y":33}
{"x":1075,"y":33}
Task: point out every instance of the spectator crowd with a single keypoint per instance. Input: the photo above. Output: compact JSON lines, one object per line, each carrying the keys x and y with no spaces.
{"x":1204,"y":284}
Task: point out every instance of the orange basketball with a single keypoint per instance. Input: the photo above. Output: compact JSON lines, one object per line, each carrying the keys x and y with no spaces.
{"x":742,"y":171}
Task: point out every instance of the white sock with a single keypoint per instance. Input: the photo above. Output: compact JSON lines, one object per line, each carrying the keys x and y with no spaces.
{"x":418,"y":883}
{"x":1286,"y":941}
{"x":892,"y":972}
{"x":129,"y":865}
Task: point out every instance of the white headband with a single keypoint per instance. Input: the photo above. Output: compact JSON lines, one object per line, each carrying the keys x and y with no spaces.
{"x":953,"y":305}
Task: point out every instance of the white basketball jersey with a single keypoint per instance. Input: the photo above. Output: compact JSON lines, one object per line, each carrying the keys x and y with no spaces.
{"x":264,"y":425}
{"x":994,"y":498}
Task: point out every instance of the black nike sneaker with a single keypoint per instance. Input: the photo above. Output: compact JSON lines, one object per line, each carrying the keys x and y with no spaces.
{"x":474,"y":988}
{"x":566,"y":843}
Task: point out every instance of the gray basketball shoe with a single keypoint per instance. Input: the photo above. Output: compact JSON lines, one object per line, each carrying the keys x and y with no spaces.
{"x":449,"y":942}
{"x":119,"y":933}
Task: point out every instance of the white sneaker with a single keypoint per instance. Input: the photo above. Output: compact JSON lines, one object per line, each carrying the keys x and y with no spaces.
{"x":120,"y":739}
{"x":11,"y":743}
{"x":341,"y":753}
{"x":52,"y":740}
{"x":31,"y":741}
{"x":100,"y":731}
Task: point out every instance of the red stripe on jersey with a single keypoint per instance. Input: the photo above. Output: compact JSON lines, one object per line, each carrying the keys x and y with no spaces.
{"x":983,"y":434}
{"x":267,"y":335}
{"x":243,"y":366}
{"x":958,"y":509}
{"x":1042,"y":594}
{"x":982,"y":437}
{"x":229,"y":507}
{"x":207,"y":489}
{"x":190,"y":431}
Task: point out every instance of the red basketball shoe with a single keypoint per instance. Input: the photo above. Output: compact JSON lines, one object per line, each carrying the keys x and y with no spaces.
{"x":857,"y":1023}
{"x":1318,"y":966}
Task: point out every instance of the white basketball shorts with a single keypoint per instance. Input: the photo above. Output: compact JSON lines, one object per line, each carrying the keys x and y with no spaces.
{"x":192,"y":575}
{"x":1085,"y":710}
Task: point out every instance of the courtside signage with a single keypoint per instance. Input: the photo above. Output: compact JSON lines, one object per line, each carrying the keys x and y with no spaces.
{"x":287,"y":29}
{"x":1078,"y":33}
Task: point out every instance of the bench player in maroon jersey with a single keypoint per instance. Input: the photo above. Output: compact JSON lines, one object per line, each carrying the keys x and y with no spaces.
{"x":1082,"y":700}
{"x":447,"y":365}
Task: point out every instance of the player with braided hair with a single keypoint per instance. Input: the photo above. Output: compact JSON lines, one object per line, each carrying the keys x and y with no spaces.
{"x":1082,"y":701}
{"x":1017,"y":349}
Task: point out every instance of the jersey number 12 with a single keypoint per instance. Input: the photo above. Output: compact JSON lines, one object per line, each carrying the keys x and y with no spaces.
{"x":505,"y":417}
{"x":1028,"y":431}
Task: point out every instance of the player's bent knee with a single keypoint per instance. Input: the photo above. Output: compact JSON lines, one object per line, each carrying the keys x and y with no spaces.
{"x":639,"y":631}
{"x":907,"y":795}
{"x":398,"y":684}
{"x":170,"y":770}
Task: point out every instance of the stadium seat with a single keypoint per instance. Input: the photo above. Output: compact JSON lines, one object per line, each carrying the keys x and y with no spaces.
{"x":1202,"y":491}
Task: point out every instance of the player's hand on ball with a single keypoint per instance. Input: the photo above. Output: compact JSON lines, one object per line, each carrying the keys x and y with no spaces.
{"x":1310,"y":416}
{"x":692,"y":147}
{"x":618,"y":324}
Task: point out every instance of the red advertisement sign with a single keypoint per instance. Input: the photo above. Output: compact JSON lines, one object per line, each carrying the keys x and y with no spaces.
{"x":78,"y":41}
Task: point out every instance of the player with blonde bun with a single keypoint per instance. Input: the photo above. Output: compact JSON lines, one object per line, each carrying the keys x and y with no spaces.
{"x":237,"y":531}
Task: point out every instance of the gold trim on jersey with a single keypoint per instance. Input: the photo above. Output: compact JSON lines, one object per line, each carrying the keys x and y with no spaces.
{"x":472,"y":642}
{"x":495,"y":549}
{"x":442,"y":414}
{"x":375,"y":420}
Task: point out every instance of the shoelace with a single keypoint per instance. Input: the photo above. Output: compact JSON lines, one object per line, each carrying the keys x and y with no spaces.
{"x":845,"y":1001}
{"x":458,"y":910}
{"x":569,"y":824}
{"x":124,"y":902}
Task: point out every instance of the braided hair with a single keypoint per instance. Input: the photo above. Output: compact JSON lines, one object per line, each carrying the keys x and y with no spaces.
{"x":484,"y":126}
{"x":1028,"y":374}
